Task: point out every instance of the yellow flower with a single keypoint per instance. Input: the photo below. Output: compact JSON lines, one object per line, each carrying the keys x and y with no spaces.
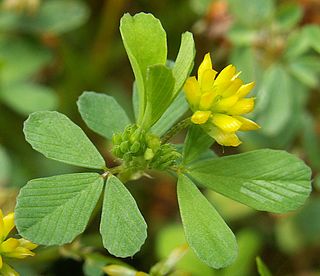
{"x":11,"y":247}
{"x":218,"y":102}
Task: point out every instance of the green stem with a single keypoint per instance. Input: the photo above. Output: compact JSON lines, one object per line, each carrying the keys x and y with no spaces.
{"x":175,"y":129}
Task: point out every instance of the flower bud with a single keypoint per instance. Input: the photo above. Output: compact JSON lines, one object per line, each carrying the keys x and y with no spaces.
{"x":135,"y":147}
{"x":124,"y":146}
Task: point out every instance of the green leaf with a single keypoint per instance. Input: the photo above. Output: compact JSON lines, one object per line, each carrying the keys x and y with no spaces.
{"x":274,"y":101}
{"x":94,"y":262}
{"x":135,"y":101}
{"x":241,"y":36}
{"x":170,"y":237}
{"x":288,"y":16}
{"x":196,"y":143}
{"x":306,"y":69}
{"x":26,"y":98}
{"x":159,"y":93}
{"x":57,"y":137}
{"x":307,"y":221}
{"x":244,"y":58}
{"x":123,"y":228}
{"x":145,"y":42}
{"x":311,"y":141}
{"x":184,"y":62}
{"x":206,"y":232}
{"x":54,"y":210}
{"x":5,"y":166}
{"x":267,"y":180}
{"x":21,"y":59}
{"x":262,"y":268}
{"x":174,"y":112}
{"x":312,"y":34}
{"x":297,"y":44}
{"x":252,"y":13}
{"x":249,"y":244}
{"x":102,"y":114}
{"x":50,"y":18}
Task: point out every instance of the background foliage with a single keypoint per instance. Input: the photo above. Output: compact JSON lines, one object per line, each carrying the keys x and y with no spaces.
{"x":50,"y":54}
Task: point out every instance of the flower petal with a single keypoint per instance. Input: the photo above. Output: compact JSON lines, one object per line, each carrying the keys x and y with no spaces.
{"x":27,"y":244}
{"x":206,"y":100}
{"x":200,"y":117}
{"x":192,"y":91}
{"x":8,"y":222}
{"x":247,"y":124}
{"x":224,"y":139}
{"x":9,"y":245}
{"x":205,"y":65}
{"x":225,"y":104}
{"x":233,"y":88}
{"x":245,"y":89}
{"x":20,"y":253}
{"x":243,"y":106}
{"x":207,"y":80}
{"x":225,"y":75}
{"x":226,"y":123}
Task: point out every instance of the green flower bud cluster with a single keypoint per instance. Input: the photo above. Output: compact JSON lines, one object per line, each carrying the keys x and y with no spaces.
{"x":139,"y":149}
{"x":134,"y":145}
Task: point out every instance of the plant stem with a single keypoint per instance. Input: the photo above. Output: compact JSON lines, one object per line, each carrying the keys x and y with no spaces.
{"x":175,"y":129}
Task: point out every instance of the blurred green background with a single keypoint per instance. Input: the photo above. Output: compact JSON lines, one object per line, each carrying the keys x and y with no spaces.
{"x":53,"y":50}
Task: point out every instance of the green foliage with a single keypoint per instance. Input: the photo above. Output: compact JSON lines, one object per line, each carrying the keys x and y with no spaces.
{"x":146,"y":45}
{"x":21,"y":59}
{"x":275,"y":113}
{"x":156,"y":85}
{"x":58,"y":138}
{"x":262,"y":268}
{"x":159,"y":93}
{"x":49,"y":18}
{"x":174,"y":112}
{"x":195,"y":136}
{"x":288,"y":16}
{"x":184,"y":62}
{"x":56,"y":209}
{"x":268,"y":180}
{"x":102,"y":114}
{"x":206,"y":232}
{"x":4,"y":166}
{"x":26,"y":97}
{"x":252,"y":12}
{"x":123,"y":228}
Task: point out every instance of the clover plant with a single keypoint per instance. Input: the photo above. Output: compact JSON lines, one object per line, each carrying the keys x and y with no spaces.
{"x":55,"y":210}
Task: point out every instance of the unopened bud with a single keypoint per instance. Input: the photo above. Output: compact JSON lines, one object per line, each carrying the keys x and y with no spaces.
{"x":117,"y":139}
{"x":148,"y":154}
{"x":135,"y":147}
{"x":124,"y":146}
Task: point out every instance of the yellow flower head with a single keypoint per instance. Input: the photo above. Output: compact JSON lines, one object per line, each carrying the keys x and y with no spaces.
{"x":11,"y":247}
{"x":218,"y":102}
